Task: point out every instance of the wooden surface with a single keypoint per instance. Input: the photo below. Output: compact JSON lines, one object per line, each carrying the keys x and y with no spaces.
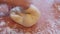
{"x":49,"y":22}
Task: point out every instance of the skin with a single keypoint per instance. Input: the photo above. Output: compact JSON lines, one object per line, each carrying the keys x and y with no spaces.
{"x":23,"y":3}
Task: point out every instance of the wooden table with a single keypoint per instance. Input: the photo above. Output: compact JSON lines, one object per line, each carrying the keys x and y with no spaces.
{"x":49,"y":22}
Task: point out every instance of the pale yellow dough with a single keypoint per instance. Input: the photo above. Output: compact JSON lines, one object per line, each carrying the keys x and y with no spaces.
{"x":27,"y":17}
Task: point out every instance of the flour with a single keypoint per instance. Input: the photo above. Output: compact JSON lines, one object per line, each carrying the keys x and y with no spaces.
{"x":58,"y":7}
{"x":57,"y":31}
{"x":8,"y":30}
{"x":2,"y":23}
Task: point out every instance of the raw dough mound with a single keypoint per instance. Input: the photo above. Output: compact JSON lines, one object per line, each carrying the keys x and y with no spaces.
{"x":27,"y":17}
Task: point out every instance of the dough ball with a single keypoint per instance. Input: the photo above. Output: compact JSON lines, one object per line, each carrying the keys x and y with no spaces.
{"x":27,"y":17}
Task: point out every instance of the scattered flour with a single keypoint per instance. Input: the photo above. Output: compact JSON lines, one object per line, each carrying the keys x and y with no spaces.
{"x":58,"y":7}
{"x":8,"y":30}
{"x":2,"y":23}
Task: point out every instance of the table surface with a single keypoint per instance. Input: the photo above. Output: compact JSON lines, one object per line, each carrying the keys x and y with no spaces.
{"x":49,"y":22}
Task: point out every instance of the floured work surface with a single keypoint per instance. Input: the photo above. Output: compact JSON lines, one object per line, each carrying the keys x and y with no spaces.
{"x":49,"y":22}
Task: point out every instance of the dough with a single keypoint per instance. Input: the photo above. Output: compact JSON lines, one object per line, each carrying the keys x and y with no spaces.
{"x":27,"y":17}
